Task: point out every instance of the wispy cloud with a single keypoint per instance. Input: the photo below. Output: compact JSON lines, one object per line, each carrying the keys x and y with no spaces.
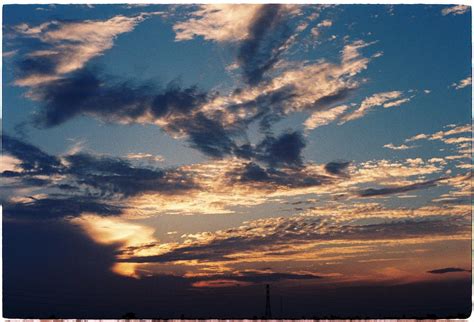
{"x":218,"y":22}
{"x":324,"y":117}
{"x":455,"y":10}
{"x":377,"y":192}
{"x":385,"y":99}
{"x":443,"y":136}
{"x":462,"y":83}
{"x":68,"y":46}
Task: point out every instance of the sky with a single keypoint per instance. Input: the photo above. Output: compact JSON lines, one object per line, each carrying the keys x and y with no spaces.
{"x":172,"y":160}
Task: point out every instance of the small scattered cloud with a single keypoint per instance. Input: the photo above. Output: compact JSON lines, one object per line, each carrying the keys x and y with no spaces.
{"x":446,"y":135}
{"x":145,"y":157}
{"x":316,"y":31}
{"x":391,"y":146}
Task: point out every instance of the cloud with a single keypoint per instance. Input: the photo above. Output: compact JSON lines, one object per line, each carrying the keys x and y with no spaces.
{"x":68,"y":46}
{"x":249,"y":277}
{"x":324,"y":117}
{"x":374,"y":192}
{"x":145,"y":157}
{"x":117,"y":232}
{"x":86,"y":93}
{"x":462,"y":83}
{"x":283,"y":150}
{"x":455,"y":10}
{"x":443,"y":136}
{"x":262,"y":32}
{"x":205,"y":134}
{"x":269,"y":36}
{"x":58,"y":207}
{"x":448,"y":270}
{"x":293,"y":90}
{"x":8,"y":54}
{"x":210,"y":122}
{"x":272,"y":178}
{"x":116,"y":177}
{"x":337,"y":168}
{"x":31,"y":160}
{"x":218,"y":22}
{"x":175,"y":109}
{"x":81,"y":178}
{"x":315,"y":31}
{"x":256,"y":239}
{"x":385,"y":99}
{"x":398,"y":147}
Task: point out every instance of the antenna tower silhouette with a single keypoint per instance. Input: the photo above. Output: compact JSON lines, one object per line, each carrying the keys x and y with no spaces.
{"x":268,"y":309}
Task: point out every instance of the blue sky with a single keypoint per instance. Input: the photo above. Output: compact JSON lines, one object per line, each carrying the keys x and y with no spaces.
{"x":215,"y":144}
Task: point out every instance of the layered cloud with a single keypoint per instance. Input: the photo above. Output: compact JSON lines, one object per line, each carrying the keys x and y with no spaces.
{"x":309,"y":238}
{"x":103,"y":194}
{"x":312,"y":214}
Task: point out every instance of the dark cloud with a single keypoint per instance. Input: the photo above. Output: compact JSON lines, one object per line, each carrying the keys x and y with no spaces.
{"x":113,"y":176}
{"x":53,"y":208}
{"x":374,"y":192}
{"x":269,"y":107}
{"x":43,"y":289}
{"x":273,"y":277}
{"x":337,"y":167}
{"x":283,"y":150}
{"x":287,"y":177}
{"x":332,"y":99}
{"x":84,"y":182}
{"x":206,"y":135}
{"x":85,"y":92}
{"x":39,"y":65}
{"x":260,"y":277}
{"x":33,"y":160}
{"x":448,"y":270}
{"x":266,"y":42}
